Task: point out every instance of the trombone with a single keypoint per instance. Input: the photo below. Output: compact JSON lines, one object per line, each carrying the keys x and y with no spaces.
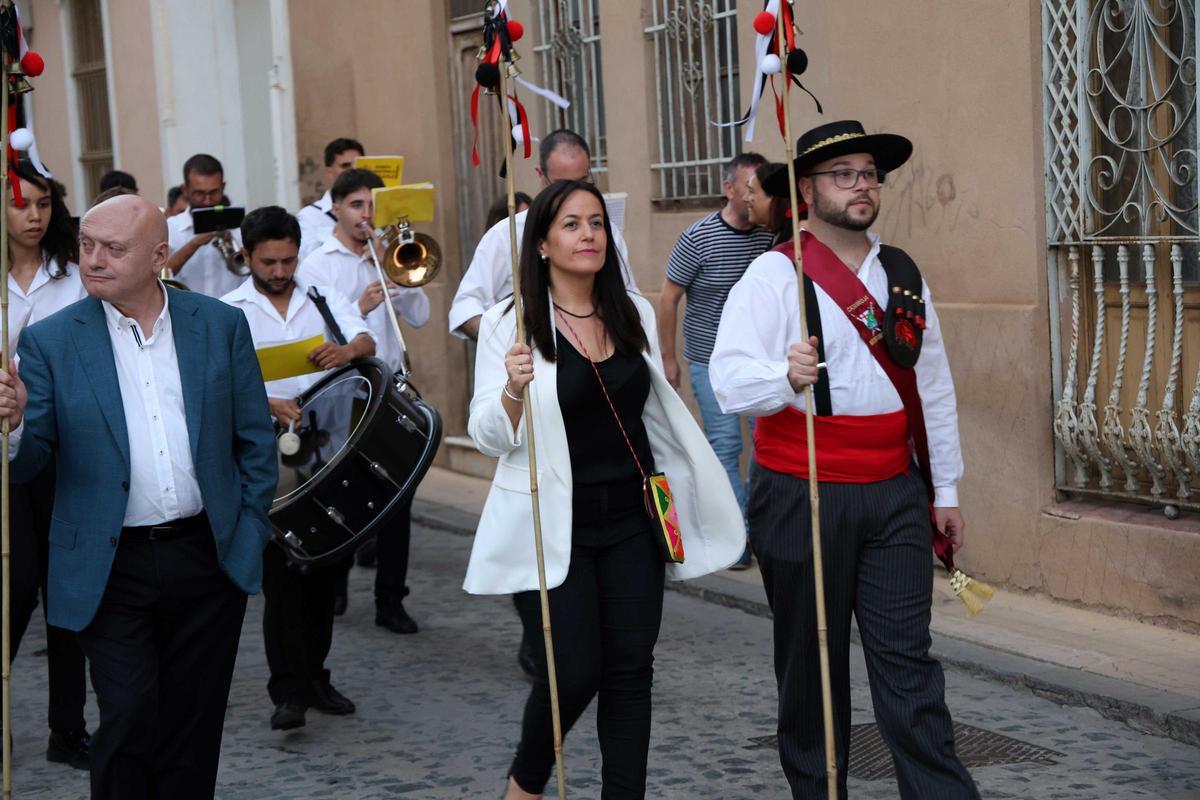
{"x":409,"y":259}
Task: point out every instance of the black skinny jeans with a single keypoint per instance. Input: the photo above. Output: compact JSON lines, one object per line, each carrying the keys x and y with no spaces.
{"x":605,"y":617}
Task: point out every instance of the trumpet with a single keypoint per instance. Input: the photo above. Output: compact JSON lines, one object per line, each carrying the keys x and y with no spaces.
{"x":410,"y":259}
{"x":235,"y":262}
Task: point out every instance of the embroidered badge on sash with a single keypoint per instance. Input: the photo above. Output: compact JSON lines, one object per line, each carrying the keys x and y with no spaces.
{"x":867,"y":313}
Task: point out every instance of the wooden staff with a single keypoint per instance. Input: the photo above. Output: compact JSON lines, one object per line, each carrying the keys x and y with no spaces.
{"x":813,"y":489}
{"x":5,"y":529}
{"x":527,"y":404}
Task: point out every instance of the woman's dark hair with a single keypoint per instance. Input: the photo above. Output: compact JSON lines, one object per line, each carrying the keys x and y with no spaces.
{"x":778,"y":220}
{"x":499,"y":209}
{"x":60,"y":242}
{"x":609,"y":295}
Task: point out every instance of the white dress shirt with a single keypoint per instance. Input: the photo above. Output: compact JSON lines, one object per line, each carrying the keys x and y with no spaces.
{"x":316,"y":223}
{"x":162,"y":476}
{"x":302,"y":321}
{"x":748,"y":369}
{"x":205,"y":272}
{"x":489,"y":278}
{"x":45,"y":296}
{"x":333,"y":265}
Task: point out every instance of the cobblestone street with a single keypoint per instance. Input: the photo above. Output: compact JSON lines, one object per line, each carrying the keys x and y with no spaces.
{"x":438,"y":713}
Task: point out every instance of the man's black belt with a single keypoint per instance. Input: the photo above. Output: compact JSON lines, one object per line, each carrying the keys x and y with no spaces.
{"x":169,"y":530}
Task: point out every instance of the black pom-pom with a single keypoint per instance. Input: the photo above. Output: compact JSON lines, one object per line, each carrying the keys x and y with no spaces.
{"x":488,"y":76}
{"x":797,"y":61}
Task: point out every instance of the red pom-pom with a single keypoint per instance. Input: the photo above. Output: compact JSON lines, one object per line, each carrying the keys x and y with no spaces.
{"x":764,"y":23}
{"x":515,"y":30}
{"x":32,"y":63}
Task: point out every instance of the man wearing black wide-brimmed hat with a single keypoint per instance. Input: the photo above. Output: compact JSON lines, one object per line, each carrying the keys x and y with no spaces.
{"x":883,"y":393}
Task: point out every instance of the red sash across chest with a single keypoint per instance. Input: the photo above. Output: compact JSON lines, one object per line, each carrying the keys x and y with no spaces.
{"x":850,"y":449}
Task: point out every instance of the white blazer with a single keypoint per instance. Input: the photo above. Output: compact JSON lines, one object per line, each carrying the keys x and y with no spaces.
{"x":502,"y":557}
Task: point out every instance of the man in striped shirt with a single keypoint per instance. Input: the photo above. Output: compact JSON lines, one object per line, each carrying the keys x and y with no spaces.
{"x":707,"y":261}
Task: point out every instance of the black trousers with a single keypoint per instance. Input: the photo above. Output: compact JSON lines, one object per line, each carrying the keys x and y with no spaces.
{"x":297,"y":625}
{"x":878,"y":566}
{"x":162,"y":648}
{"x":30,"y":508}
{"x":605,"y":617}
{"x":391,"y":557}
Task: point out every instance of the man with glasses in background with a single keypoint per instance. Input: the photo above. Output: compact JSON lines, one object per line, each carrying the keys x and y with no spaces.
{"x":194,"y":259}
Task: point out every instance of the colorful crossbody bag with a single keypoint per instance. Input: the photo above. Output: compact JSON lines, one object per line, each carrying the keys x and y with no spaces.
{"x":660,"y":505}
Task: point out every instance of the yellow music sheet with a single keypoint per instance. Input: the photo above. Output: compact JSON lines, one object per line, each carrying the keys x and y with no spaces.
{"x":413,"y":201}
{"x":389,"y":168}
{"x":289,"y":359}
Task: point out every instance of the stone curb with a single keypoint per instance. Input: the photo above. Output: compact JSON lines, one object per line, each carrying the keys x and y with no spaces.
{"x":1152,"y":711}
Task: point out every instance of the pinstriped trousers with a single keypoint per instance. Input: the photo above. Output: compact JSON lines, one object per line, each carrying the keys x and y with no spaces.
{"x":878,"y":566}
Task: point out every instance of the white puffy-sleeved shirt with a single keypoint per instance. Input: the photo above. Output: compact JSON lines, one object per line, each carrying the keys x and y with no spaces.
{"x":302,"y":321}
{"x":488,"y":279}
{"x":748,"y":369}
{"x":45,"y":296}
{"x":205,"y":272}
{"x":316,"y":223}
{"x":334,"y":265}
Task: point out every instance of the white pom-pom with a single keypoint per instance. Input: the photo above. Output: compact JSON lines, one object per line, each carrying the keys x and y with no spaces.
{"x":770,"y":65}
{"x":21,"y":139}
{"x":518,"y":133}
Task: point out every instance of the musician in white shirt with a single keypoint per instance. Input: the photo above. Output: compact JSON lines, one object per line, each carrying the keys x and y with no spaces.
{"x":43,"y":279}
{"x":317,"y":218}
{"x":344,"y":263}
{"x":298,"y":613}
{"x":195,"y":260}
{"x":875,"y":504}
{"x":563,"y":155}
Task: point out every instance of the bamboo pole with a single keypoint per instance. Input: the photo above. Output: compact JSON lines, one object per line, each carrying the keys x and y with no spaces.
{"x":527,"y":404}
{"x":813,"y":489}
{"x":5,"y":529}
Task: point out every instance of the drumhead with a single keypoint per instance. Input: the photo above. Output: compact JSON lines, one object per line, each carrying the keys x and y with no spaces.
{"x":333,"y":414}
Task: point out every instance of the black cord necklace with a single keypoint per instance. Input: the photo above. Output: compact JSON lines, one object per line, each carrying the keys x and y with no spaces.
{"x":592,"y":313}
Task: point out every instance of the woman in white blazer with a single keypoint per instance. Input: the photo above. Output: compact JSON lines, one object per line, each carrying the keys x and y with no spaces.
{"x":602,"y":563}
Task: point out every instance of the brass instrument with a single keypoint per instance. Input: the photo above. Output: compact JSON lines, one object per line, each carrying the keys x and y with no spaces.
{"x":410,"y":259}
{"x":235,"y":262}
{"x":166,"y":278}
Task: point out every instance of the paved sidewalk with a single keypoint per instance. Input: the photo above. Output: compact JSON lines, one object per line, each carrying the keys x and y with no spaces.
{"x":1144,"y":675}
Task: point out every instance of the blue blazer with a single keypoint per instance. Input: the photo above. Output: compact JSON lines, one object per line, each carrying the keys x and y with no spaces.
{"x":75,"y":415}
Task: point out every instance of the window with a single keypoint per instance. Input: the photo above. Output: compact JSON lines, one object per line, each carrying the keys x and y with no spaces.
{"x":696,"y":84}
{"x":91,"y":92}
{"x":569,"y":62}
{"x":1123,"y":228}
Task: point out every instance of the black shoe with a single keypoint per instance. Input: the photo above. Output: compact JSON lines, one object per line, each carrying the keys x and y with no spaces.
{"x":526,"y":657}
{"x":393,"y":617}
{"x":366,"y":555}
{"x":69,"y":747}
{"x":340,"y":601}
{"x":329,"y":700}
{"x":288,"y":715}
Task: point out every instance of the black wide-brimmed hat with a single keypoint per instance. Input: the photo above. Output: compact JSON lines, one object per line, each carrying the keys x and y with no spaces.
{"x":838,"y":139}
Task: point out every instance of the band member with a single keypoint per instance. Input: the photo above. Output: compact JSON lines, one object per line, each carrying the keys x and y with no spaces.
{"x":875,"y":516}
{"x":317,"y":219}
{"x":298,"y":614}
{"x":43,"y":248}
{"x":151,"y":402}
{"x":562,"y":155}
{"x":116,"y":177}
{"x":709,"y":258}
{"x":344,"y":264}
{"x":176,"y":202}
{"x":602,"y":562}
{"x":195,"y":259}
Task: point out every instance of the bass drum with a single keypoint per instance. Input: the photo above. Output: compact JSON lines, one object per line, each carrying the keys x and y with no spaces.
{"x":366,"y":440}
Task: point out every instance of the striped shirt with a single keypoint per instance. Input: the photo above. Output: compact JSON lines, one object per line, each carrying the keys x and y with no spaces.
{"x":707,"y":261}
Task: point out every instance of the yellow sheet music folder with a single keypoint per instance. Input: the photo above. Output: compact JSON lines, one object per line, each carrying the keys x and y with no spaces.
{"x":389,"y":168}
{"x":289,"y":359}
{"x":413,"y":200}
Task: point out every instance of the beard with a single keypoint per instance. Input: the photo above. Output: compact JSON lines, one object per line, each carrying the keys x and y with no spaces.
{"x":839,"y":216}
{"x":272,"y":287}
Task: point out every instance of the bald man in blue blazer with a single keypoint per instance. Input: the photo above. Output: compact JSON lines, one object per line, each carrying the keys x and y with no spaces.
{"x":152,"y":404}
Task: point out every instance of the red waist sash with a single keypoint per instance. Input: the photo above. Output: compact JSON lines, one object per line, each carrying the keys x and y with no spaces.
{"x":850,"y":449}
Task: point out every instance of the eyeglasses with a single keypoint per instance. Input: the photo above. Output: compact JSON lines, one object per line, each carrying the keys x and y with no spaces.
{"x":848,"y":178}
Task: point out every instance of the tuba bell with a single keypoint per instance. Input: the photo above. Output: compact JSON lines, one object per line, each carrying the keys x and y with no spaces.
{"x":410,"y":259}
